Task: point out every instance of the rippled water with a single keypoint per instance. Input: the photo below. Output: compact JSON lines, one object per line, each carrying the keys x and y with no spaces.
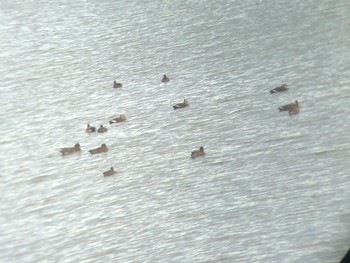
{"x":271,"y":188}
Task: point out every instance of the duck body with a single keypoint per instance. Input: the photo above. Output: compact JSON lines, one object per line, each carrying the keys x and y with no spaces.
{"x":283,"y":87}
{"x":165,"y":78}
{"x":70,"y":150}
{"x":90,"y":129}
{"x":198,"y":153}
{"x":109,"y":172}
{"x":294,"y":111}
{"x":121,"y":118}
{"x":102,"y":129}
{"x":290,"y":106}
{"x":117,"y":85}
{"x":181,"y":105}
{"x":101,"y":149}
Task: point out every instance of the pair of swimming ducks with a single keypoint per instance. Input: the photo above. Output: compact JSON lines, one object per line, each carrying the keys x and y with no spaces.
{"x":178,"y":105}
{"x":292,"y":108}
{"x":76,"y":148}
{"x":117,"y":85}
{"x":90,"y":129}
{"x":102,"y":129}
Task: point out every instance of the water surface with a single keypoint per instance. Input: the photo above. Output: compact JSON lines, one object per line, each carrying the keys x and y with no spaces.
{"x":271,"y":188}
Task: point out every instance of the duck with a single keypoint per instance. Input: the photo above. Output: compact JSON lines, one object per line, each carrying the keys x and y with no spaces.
{"x":165,"y":78}
{"x":294,"y":111}
{"x":102,"y":129}
{"x":101,"y":149}
{"x":117,"y":85}
{"x":198,"y":153}
{"x":181,"y":105}
{"x":70,"y":150}
{"x":283,"y":87}
{"x":290,"y":106}
{"x":109,"y":172}
{"x":90,"y":129}
{"x":121,"y":118}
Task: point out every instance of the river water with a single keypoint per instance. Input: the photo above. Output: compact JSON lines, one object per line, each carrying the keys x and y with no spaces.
{"x":271,"y":188}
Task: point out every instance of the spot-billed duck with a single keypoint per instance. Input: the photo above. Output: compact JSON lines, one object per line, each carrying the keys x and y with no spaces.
{"x":165,"y":78}
{"x":102,"y":129}
{"x":109,"y":172}
{"x":283,"y":87}
{"x":121,"y":118}
{"x":197,"y":153}
{"x":70,"y":150}
{"x":90,"y":129}
{"x":117,"y":85}
{"x":181,"y":105}
{"x":101,"y":149}
{"x":290,"y":106}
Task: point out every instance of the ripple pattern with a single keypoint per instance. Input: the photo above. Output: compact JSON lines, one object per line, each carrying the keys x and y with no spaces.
{"x":271,"y":188}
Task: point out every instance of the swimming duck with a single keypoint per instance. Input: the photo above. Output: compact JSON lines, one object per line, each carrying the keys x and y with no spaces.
{"x":70,"y":150}
{"x":101,"y":149}
{"x":283,"y":87}
{"x":197,"y":153}
{"x":90,"y":129}
{"x":165,"y":78}
{"x":181,"y":105}
{"x":290,"y":106}
{"x":109,"y":172}
{"x":102,"y":129}
{"x":121,"y":118}
{"x":117,"y":85}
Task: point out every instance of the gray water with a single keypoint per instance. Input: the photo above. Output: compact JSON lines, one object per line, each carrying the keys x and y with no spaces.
{"x":271,"y":188}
